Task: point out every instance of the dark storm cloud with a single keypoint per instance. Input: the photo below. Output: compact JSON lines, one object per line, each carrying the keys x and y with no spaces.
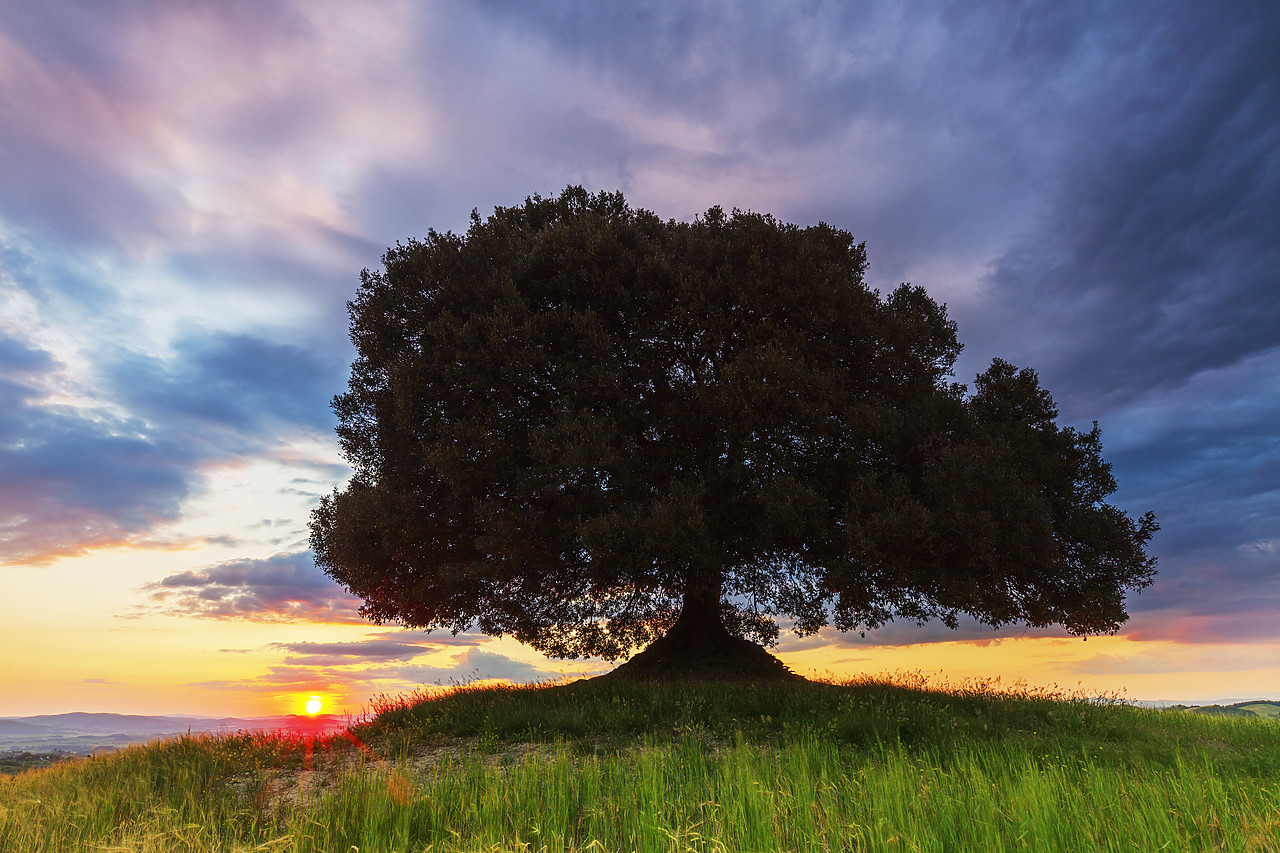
{"x":283,"y":588}
{"x":1144,"y":134}
{"x":1205,"y":455}
{"x":1159,"y":258}
{"x":1147,"y":295}
{"x":73,"y":479}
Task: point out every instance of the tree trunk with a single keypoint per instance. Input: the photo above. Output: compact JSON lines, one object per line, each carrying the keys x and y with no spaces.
{"x":699,"y":647}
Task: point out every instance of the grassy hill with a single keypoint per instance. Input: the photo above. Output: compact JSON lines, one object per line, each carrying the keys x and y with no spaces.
{"x":1269,"y":710}
{"x":858,"y":766}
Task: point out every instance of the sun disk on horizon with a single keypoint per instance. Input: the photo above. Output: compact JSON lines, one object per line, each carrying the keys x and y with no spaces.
{"x":314,"y":705}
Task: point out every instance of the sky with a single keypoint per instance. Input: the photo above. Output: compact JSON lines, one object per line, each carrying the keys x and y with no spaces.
{"x":189,"y":191}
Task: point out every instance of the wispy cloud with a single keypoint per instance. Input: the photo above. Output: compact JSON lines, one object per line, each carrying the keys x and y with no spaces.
{"x":379,"y":648}
{"x":475,"y":665}
{"x":286,"y":587}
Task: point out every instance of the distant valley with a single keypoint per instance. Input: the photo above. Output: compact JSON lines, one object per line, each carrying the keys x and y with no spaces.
{"x":83,"y":734}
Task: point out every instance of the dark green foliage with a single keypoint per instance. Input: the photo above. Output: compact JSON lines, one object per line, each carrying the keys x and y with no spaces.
{"x":577,"y":419}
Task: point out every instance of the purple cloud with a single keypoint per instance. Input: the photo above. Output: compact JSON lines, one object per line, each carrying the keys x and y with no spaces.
{"x":473,"y":665}
{"x":283,"y":588}
{"x":380,"y":647}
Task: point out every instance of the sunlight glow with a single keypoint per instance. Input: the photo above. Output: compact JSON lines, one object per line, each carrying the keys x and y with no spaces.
{"x":314,"y":705}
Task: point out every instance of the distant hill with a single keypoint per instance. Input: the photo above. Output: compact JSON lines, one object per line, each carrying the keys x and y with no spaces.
{"x":82,"y":733}
{"x":16,"y":728}
{"x":1253,"y":708}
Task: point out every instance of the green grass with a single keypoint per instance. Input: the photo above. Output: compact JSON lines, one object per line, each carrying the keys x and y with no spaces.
{"x":1262,"y":709}
{"x":865,"y":766}
{"x":1240,"y":709}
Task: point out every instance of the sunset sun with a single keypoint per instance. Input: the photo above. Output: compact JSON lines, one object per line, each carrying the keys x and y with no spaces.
{"x":313,"y":705}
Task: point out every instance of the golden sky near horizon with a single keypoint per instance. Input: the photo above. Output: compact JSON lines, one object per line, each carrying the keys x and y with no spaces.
{"x":105,"y":646}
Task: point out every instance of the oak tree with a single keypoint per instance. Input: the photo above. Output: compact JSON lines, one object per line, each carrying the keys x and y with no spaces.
{"x":595,"y":430}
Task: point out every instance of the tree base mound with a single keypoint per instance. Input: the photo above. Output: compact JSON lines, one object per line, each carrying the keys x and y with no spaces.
{"x":699,"y":652}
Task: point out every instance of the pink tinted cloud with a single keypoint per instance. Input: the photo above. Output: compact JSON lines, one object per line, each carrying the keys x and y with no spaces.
{"x":1248,"y":622}
{"x":382,"y":647}
{"x":162,"y":126}
{"x":283,"y":588}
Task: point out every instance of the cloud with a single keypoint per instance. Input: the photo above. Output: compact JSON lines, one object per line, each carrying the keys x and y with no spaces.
{"x":434,"y":639}
{"x":83,"y":73}
{"x":1100,"y":178}
{"x":474,"y":665}
{"x":1155,"y":258}
{"x":21,"y":363}
{"x":1218,"y":620}
{"x":907,"y":633}
{"x":293,"y":679}
{"x":329,"y":654}
{"x":377,"y":664}
{"x":470,"y":665}
{"x":241,"y":384}
{"x":890,"y":121}
{"x":380,"y":647}
{"x":283,"y":588}
{"x":1203,"y":456}
{"x":76,"y":478}
{"x":102,"y":445}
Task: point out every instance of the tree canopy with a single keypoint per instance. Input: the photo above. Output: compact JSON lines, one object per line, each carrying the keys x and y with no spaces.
{"x":576,"y":422}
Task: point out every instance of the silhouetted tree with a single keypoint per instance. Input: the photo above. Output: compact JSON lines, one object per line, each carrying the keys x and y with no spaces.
{"x":584,"y":426}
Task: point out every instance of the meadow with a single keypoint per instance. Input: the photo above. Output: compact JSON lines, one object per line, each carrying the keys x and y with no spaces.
{"x":869,"y":765}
